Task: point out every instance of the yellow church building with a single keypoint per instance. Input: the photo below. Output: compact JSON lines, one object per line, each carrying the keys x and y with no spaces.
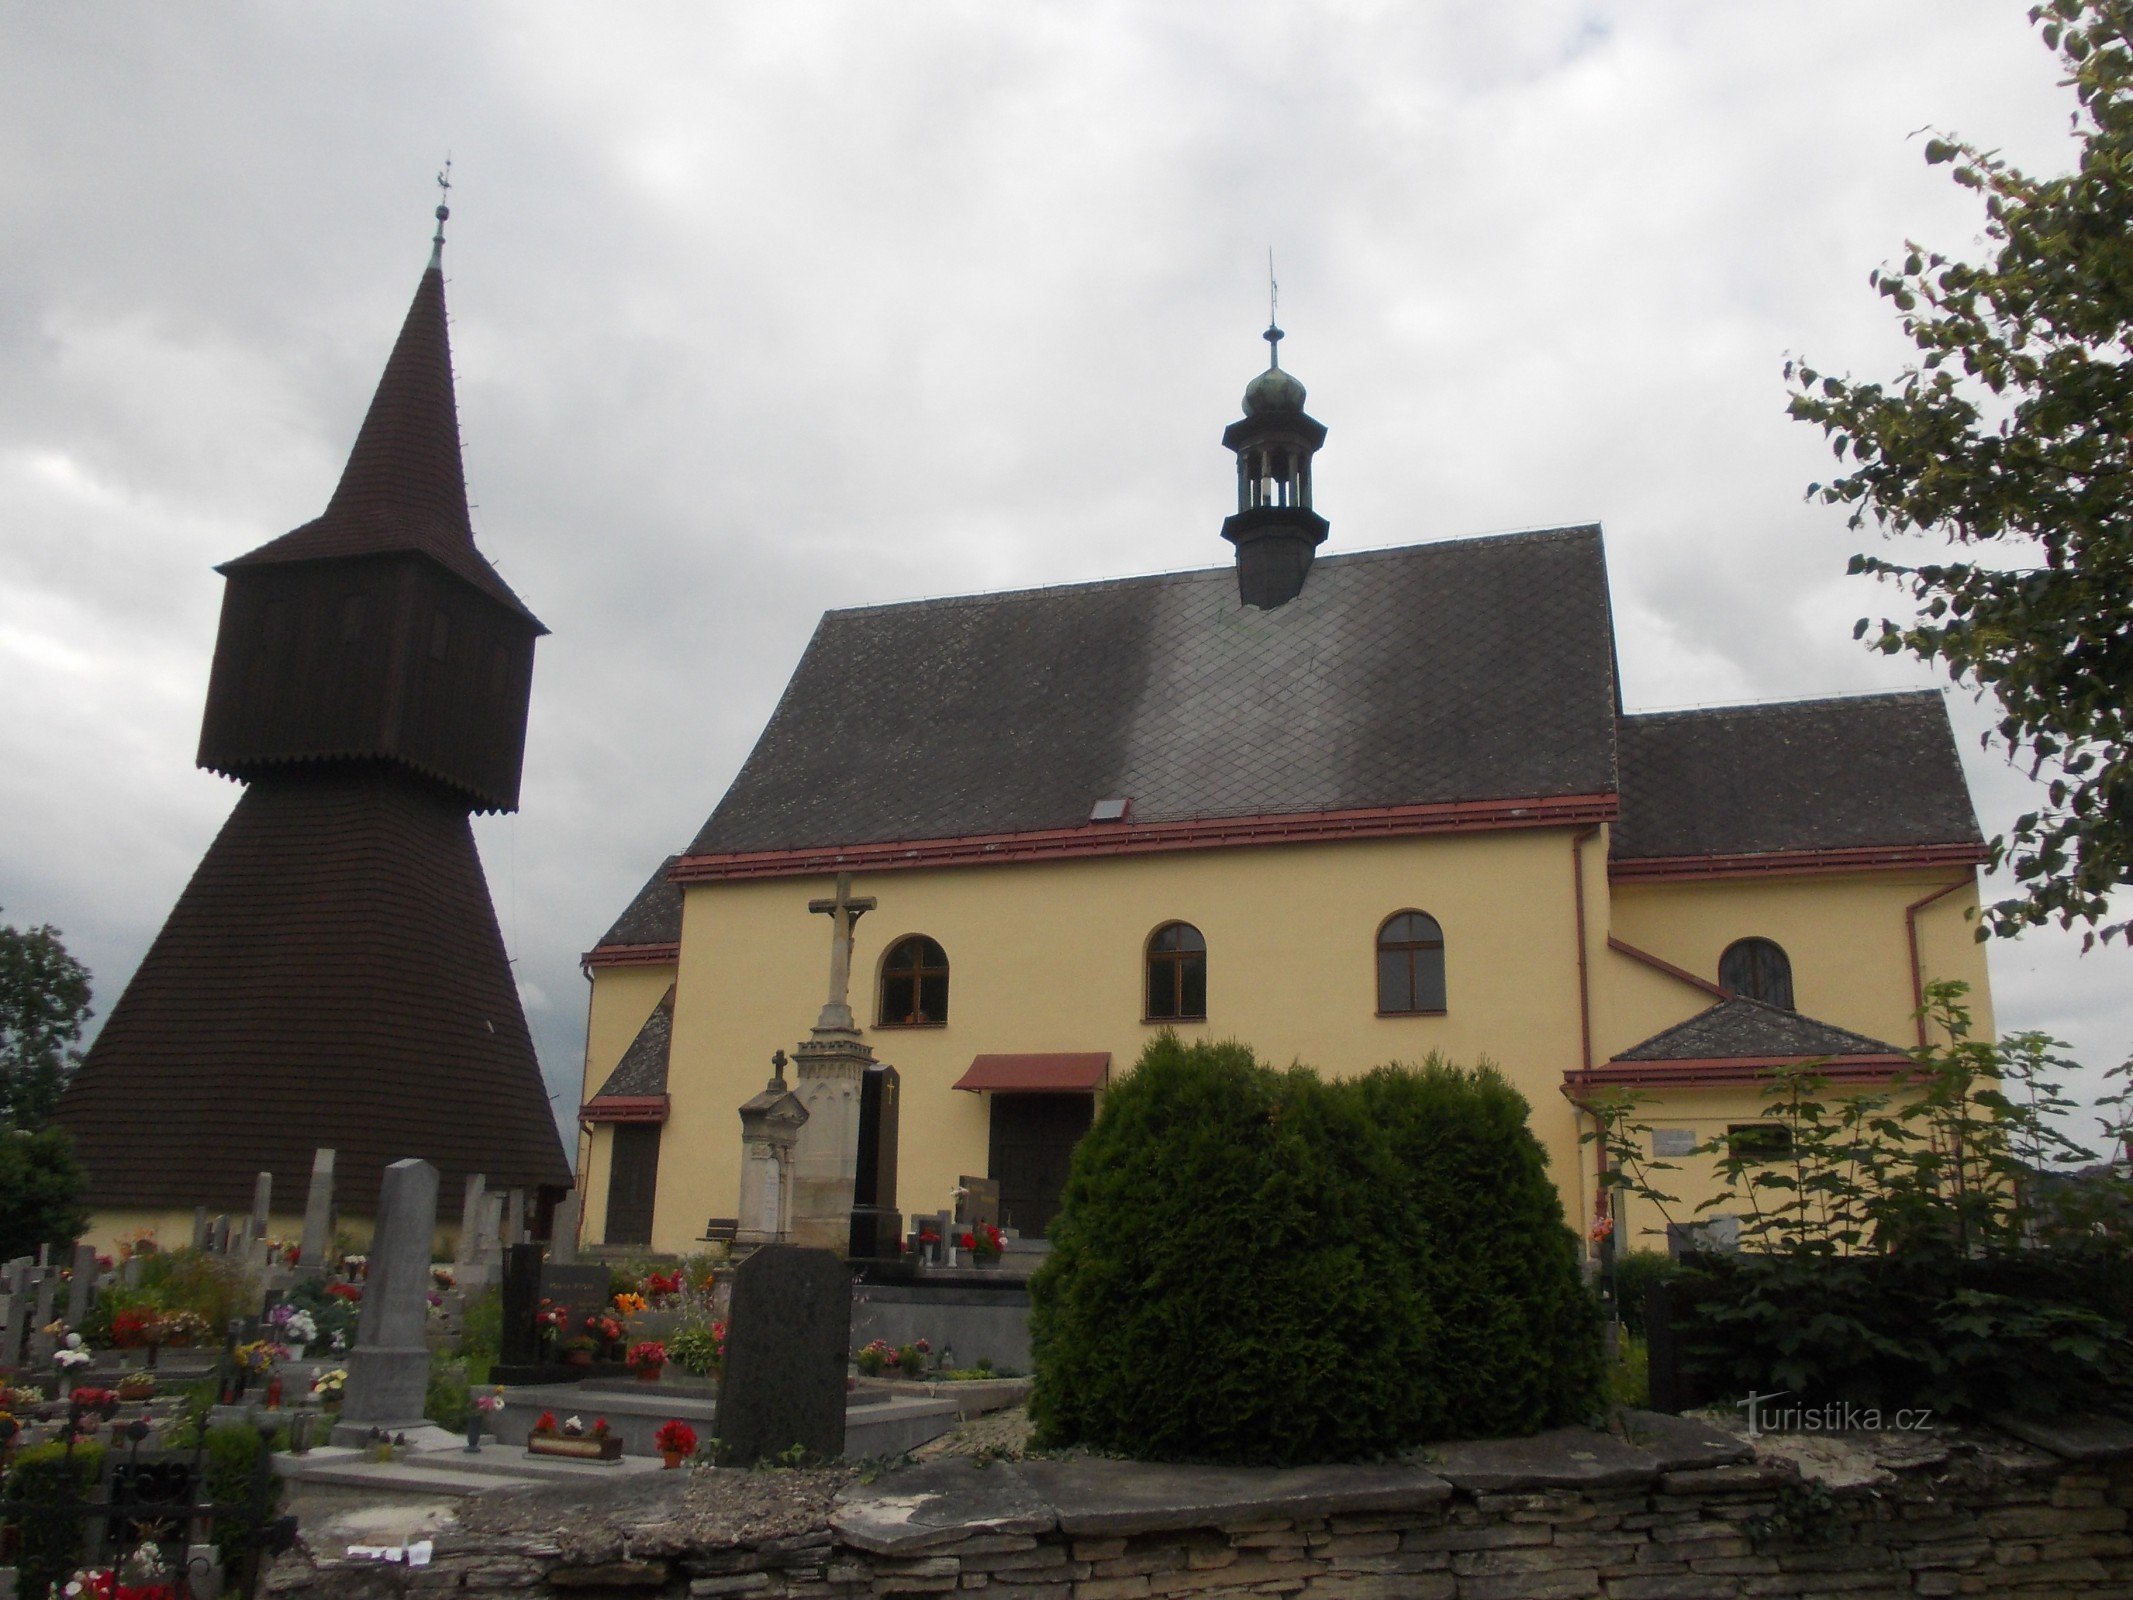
{"x":1349,"y":809}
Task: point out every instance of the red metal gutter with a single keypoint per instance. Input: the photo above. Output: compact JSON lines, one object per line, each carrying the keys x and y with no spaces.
{"x":631,"y":955}
{"x":1122,"y":839}
{"x":1624,"y":947}
{"x":1715,"y":1072}
{"x":1794,"y":863}
{"x":1918,"y":977}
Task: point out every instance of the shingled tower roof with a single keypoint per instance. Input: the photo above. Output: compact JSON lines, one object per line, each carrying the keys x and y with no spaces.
{"x":404,"y":487}
{"x":333,"y":975}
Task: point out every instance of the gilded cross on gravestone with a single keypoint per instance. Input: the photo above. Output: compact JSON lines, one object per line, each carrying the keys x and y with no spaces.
{"x":843,"y":910}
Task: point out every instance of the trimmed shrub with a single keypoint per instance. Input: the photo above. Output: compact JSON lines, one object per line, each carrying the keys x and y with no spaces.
{"x":1259,"y":1266}
{"x":1519,"y":1347}
{"x":1219,"y":1287}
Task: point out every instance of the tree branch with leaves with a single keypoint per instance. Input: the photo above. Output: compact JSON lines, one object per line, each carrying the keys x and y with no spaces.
{"x":2012,"y":435}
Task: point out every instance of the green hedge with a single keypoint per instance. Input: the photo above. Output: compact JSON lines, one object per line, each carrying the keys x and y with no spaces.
{"x":50,"y":1544}
{"x":1260,"y":1266}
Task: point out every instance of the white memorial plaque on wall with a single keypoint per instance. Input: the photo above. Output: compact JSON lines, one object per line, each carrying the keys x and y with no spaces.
{"x":1673,"y":1141}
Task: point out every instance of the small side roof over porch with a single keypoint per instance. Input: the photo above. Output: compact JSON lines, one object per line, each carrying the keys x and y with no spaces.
{"x":1737,"y":1041}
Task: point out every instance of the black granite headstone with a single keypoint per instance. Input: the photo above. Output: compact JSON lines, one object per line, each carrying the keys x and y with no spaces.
{"x":583,"y":1288}
{"x":787,"y":1340}
{"x":520,"y":1344}
{"x":877,"y":1226}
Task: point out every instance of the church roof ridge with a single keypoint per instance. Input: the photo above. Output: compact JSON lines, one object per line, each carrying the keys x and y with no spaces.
{"x":1847,"y":697}
{"x":1225,"y":573}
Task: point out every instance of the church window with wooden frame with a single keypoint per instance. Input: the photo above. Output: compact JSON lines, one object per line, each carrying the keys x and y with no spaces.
{"x":1410,"y":966}
{"x":1177,"y":974}
{"x":1757,"y":969}
{"x":914,"y":984}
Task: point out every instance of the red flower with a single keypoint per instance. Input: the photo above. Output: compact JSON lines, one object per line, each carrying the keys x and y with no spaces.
{"x":599,"y":1427}
{"x":546,"y":1423}
{"x":968,"y":1242}
{"x":344,"y":1291}
{"x":675,"y":1438}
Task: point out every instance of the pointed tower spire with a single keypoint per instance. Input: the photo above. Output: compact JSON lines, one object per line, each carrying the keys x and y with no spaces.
{"x":404,"y":487}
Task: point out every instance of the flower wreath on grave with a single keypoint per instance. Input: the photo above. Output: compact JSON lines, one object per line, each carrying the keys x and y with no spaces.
{"x":984,"y":1241}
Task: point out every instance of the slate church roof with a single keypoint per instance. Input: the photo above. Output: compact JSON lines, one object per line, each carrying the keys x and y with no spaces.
{"x":1738,"y":1041}
{"x":1812,"y":775}
{"x":1468,"y":670}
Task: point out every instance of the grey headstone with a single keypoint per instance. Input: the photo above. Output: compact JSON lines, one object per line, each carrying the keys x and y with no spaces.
{"x":317,"y":1242}
{"x":489,"y":1238}
{"x":200,"y":1227}
{"x":515,"y":1217}
{"x":388,"y":1371}
{"x":130,"y":1273}
{"x":786,"y":1345}
{"x":262,"y":1205}
{"x":218,"y":1235}
{"x":81,"y":1287}
{"x":563,"y":1231}
{"x":470,"y":1218}
{"x":44,"y":1307}
{"x":14,"y":1334}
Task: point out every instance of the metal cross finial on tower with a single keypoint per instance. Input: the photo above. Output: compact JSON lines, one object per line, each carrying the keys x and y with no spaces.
{"x":1273,"y":309}
{"x":444,"y":188}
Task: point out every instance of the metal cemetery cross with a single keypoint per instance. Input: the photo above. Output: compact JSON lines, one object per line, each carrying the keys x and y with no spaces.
{"x":843,"y":910}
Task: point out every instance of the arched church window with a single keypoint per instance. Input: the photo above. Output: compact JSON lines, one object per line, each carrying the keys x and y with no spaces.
{"x":1410,"y":965}
{"x":914,"y":984}
{"x":1757,"y":969}
{"x":1177,"y":974}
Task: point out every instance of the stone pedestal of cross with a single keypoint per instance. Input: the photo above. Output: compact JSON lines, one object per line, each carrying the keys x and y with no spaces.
{"x":829,"y":1067}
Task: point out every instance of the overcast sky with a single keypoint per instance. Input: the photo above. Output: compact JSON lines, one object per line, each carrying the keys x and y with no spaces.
{"x":764,"y":309}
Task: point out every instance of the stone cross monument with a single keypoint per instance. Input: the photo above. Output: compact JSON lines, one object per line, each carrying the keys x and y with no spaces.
{"x":830,"y":1065}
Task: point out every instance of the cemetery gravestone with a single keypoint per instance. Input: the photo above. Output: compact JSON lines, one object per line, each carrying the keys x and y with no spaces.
{"x":199,"y":1227}
{"x":15,"y":1334}
{"x":875,"y":1219}
{"x":317,"y":1242}
{"x":979,"y":1202}
{"x":563,"y":1243}
{"x":470,"y":1218}
{"x":256,"y":1225}
{"x":786,"y":1345}
{"x":388,"y":1371}
{"x":520,"y":1344}
{"x":81,"y":1285}
{"x":582,"y":1288}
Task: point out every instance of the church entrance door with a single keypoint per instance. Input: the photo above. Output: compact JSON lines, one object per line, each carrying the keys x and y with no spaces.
{"x":1033,"y":1138}
{"x":631,"y":1181}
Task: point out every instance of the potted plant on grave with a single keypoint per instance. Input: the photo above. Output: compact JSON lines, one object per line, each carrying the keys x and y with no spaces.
{"x":985,"y":1243}
{"x":69,"y":1358}
{"x":549,"y":1324}
{"x":328,"y":1387}
{"x":574,"y":1440}
{"x":606,"y":1334}
{"x":647,"y":1358}
{"x":137,"y":1386}
{"x":675,"y":1442}
{"x":579,"y":1351}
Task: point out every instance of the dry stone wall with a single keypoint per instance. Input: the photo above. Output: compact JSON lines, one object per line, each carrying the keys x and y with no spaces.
{"x":1675,"y":1511}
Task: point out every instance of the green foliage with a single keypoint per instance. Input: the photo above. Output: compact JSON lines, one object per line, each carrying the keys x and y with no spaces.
{"x":1635,"y":1273}
{"x":216,"y":1287}
{"x":1910,"y":1248}
{"x":330,"y":1313}
{"x":234,"y":1457}
{"x":1629,"y":1374}
{"x":40,"y":1191}
{"x":44,"y":1000}
{"x":1242,"y":1267}
{"x":1481,"y":1222}
{"x":481,"y":1333}
{"x":49,"y":1545}
{"x":2014,"y":430}
{"x":449,"y":1396}
{"x":694,"y":1348}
